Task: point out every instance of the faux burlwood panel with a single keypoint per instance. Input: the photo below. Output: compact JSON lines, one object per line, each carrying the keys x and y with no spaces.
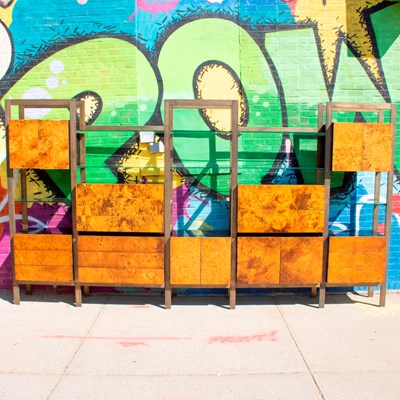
{"x":121,"y":260}
{"x":133,"y":244}
{"x":377,"y":147}
{"x":362,"y":147}
{"x":200,"y":261}
{"x":281,"y":208}
{"x":258,"y":260}
{"x":42,"y":242}
{"x":43,"y":273}
{"x":215,"y":261}
{"x":120,"y":276}
{"x":301,"y":260}
{"x":119,"y":208}
{"x":42,"y":144}
{"x":356,"y":259}
{"x":185,"y":261}
{"x":43,"y":258}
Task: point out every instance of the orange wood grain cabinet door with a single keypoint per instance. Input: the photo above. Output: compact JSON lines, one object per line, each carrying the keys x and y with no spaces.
{"x":258,"y":260}
{"x":215,"y":259}
{"x":120,"y":208}
{"x":362,"y":147}
{"x":280,"y":260}
{"x":200,"y":261}
{"x":41,"y":144}
{"x":357,"y":259}
{"x":301,"y":260}
{"x":121,"y":260}
{"x":43,"y":258}
{"x":281,"y":208}
{"x":185,"y":261}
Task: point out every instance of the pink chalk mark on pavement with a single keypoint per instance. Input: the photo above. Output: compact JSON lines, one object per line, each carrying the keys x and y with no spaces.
{"x":122,"y":341}
{"x":154,"y":8}
{"x":269,"y":336}
{"x":133,"y":344}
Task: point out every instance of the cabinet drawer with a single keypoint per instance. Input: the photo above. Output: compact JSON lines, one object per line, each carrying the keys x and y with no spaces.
{"x":356,"y":259}
{"x":281,"y":208}
{"x":120,"y":208}
{"x":121,"y":260}
{"x":43,"y":258}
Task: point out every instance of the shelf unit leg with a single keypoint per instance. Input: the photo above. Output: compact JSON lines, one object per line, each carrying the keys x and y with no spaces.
{"x":322,"y":295}
{"x":232,"y":298}
{"x":16,"y":295}
{"x":86,"y":291}
{"x":370,"y":291}
{"x":168,"y":298}
{"x":78,"y":296}
{"x":28,"y":289}
{"x":314,"y":292}
{"x":382,"y":296}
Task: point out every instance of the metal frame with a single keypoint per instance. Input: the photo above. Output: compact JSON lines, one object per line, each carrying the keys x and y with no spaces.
{"x":81,"y":137}
{"x":311,"y":133}
{"x":23,"y":104}
{"x":329,"y":109}
{"x":169,"y":107}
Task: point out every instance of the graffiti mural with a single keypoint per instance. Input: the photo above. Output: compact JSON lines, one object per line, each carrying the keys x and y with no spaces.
{"x":278,"y":58}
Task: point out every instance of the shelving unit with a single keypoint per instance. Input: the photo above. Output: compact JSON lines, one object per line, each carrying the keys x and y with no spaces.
{"x":201,"y":262}
{"x":119,"y":226}
{"x":281,"y":227}
{"x":368,"y":147}
{"x":122,"y":233}
{"x":39,"y":258}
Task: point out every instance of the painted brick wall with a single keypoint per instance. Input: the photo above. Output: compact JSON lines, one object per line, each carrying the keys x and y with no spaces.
{"x":279,"y":58}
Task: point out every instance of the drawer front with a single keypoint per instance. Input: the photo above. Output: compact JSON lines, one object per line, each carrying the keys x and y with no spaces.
{"x":281,"y":208}
{"x":43,"y":258}
{"x":121,"y":260}
{"x":356,"y":260}
{"x":120,"y":208}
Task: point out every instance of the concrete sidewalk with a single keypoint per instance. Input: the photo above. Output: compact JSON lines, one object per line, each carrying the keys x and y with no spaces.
{"x":129,"y":347}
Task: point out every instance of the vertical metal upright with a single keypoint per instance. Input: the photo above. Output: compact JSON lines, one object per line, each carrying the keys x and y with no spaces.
{"x":169,"y":107}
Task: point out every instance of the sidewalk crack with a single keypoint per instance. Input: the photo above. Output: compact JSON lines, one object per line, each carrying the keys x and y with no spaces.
{"x":299,"y":349}
{"x":84,"y":337}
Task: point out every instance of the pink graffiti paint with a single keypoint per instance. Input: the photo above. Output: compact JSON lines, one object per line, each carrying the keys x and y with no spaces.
{"x":270,"y":336}
{"x":396,"y":203}
{"x":154,"y":8}
{"x":291,"y":4}
{"x":57,"y":217}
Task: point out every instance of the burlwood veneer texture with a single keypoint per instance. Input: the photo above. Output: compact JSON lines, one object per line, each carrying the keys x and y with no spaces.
{"x":121,"y":260}
{"x":43,"y":258}
{"x":200,"y":261}
{"x":280,"y":260}
{"x":356,"y":259}
{"x":41,"y":144}
{"x":120,"y":208}
{"x":281,"y":208}
{"x":362,"y":147}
